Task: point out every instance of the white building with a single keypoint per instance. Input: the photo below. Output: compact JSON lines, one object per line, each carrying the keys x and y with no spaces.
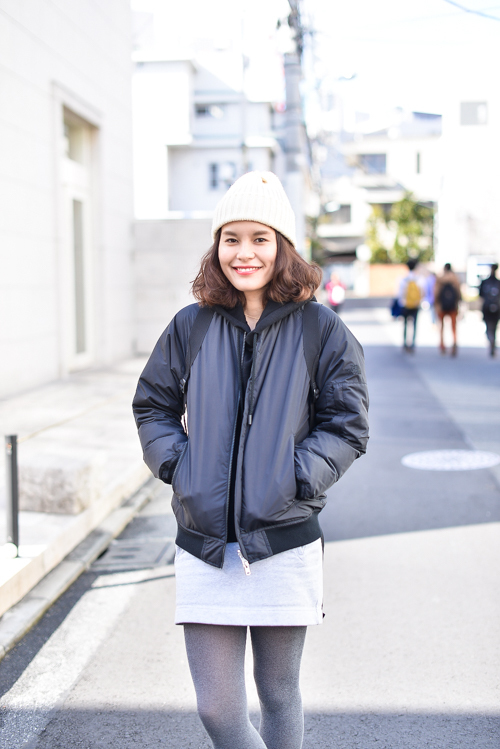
{"x":469,"y":216}
{"x":375,"y":165}
{"x":193,"y":136}
{"x":65,"y":189}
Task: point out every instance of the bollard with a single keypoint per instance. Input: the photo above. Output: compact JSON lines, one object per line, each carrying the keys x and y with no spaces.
{"x":12,"y":490}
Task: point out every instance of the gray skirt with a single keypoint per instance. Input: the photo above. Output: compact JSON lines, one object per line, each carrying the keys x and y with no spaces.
{"x":281,"y":591}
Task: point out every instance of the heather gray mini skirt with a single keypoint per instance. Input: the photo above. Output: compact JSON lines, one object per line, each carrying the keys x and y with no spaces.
{"x":281,"y":591}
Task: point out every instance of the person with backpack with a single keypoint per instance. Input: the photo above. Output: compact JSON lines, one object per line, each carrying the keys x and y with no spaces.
{"x":447,"y":297}
{"x":489,"y":291}
{"x":411,"y":293}
{"x":276,"y":411}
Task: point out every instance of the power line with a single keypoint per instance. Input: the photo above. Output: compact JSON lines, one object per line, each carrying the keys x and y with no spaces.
{"x":471,"y":10}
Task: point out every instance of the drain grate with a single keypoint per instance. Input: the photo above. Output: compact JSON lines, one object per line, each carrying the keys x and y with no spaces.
{"x":451,"y":460}
{"x":135,"y":554}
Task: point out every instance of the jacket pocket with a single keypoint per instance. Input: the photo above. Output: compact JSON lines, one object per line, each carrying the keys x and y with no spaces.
{"x":177,"y":467}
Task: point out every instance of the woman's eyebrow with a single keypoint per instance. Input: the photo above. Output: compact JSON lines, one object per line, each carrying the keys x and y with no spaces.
{"x":258,"y":233}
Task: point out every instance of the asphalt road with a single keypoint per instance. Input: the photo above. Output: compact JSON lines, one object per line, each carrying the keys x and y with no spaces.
{"x":409,"y":653}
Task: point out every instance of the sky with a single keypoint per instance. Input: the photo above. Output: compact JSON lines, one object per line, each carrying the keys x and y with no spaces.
{"x":395,"y":52}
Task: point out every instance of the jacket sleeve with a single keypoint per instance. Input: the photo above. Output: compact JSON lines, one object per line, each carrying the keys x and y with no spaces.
{"x":158,"y":404}
{"x":340,"y":430}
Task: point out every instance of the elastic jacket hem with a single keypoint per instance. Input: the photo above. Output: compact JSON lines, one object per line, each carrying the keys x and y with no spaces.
{"x":277,"y":539}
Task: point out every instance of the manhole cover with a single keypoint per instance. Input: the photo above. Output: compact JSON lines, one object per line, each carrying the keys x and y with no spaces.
{"x":137,"y":554}
{"x":451,"y":460}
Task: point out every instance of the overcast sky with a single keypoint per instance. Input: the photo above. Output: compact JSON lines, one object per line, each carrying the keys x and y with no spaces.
{"x":402,"y":52}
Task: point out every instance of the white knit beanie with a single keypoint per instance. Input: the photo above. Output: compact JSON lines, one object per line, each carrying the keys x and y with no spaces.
{"x":257,"y":196}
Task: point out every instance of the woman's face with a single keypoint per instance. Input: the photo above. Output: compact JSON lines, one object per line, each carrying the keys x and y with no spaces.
{"x":247,"y":254}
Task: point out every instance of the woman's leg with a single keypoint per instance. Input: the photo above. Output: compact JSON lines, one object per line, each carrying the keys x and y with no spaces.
{"x":453,"y":318}
{"x":441,"y":332}
{"x":277,"y":652}
{"x":216,"y":658}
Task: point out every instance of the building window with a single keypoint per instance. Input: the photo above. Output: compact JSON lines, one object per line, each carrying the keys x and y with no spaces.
{"x":419,"y":165}
{"x":222,"y":175}
{"x":337,"y":214}
{"x":214,"y":176}
{"x":74,"y":139}
{"x":473,"y":113}
{"x":215,"y":111}
{"x":372,"y":163}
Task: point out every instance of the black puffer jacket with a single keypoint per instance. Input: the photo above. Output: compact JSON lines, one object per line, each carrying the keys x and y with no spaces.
{"x":282,"y":471}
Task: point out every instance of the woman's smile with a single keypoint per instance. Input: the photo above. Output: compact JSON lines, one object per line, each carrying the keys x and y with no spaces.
{"x":245,"y":270}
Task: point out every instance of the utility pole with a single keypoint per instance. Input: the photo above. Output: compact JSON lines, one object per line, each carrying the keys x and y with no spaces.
{"x":294,"y":136}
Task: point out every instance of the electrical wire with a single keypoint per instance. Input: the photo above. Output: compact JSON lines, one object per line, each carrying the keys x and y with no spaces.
{"x":471,"y":10}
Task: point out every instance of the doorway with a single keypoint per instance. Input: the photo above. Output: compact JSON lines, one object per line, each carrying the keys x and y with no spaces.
{"x":78,"y":254}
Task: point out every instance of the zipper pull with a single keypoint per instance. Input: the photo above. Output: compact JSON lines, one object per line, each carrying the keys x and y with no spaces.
{"x":244,"y":562}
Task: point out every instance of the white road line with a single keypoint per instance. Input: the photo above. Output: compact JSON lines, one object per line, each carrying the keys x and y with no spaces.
{"x":44,"y":684}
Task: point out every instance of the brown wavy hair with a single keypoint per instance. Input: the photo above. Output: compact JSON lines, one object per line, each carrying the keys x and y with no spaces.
{"x":294,"y":279}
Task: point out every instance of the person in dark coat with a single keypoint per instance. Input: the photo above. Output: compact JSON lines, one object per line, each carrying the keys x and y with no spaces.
{"x":490,"y":293}
{"x":250,"y":472}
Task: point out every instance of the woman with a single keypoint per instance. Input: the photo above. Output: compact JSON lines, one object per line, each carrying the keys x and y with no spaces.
{"x":250,"y":479}
{"x":447,"y":297}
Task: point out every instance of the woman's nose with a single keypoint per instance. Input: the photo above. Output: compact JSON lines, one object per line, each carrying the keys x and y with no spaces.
{"x":245,"y":250}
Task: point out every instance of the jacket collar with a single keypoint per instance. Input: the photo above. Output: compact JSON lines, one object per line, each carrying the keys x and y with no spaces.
{"x":273,"y":312}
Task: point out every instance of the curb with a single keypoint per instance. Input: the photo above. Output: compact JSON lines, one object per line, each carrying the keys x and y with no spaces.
{"x":17,"y":621}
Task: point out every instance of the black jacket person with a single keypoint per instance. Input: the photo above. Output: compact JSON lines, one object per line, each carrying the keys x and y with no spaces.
{"x":250,"y":471}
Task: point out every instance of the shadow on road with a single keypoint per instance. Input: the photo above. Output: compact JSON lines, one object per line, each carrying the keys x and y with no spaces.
{"x":129,"y":729}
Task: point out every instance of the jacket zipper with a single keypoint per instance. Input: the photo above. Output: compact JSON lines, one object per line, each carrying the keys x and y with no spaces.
{"x":251,"y":381}
{"x":229,"y":478}
{"x":245,"y":563}
{"x":231,"y":456}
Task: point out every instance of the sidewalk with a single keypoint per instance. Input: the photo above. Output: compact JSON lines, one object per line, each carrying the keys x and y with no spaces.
{"x":83,"y":420}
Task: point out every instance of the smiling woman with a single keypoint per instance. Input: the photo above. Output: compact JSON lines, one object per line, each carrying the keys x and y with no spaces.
{"x":250,"y":472}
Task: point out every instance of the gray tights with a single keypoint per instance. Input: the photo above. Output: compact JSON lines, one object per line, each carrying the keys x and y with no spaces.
{"x":216,"y":656}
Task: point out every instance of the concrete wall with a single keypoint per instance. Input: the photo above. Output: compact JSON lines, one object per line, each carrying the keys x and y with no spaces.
{"x":167,"y":258}
{"x":55,"y":55}
{"x":384,"y":279}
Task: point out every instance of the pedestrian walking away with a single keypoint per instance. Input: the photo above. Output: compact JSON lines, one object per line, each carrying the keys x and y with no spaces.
{"x":447,"y":297}
{"x":411,"y":292}
{"x":270,"y":386}
{"x":490,"y":293}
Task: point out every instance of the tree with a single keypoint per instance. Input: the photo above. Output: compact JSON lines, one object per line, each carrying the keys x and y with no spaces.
{"x":375,"y":226}
{"x":404,"y":233}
